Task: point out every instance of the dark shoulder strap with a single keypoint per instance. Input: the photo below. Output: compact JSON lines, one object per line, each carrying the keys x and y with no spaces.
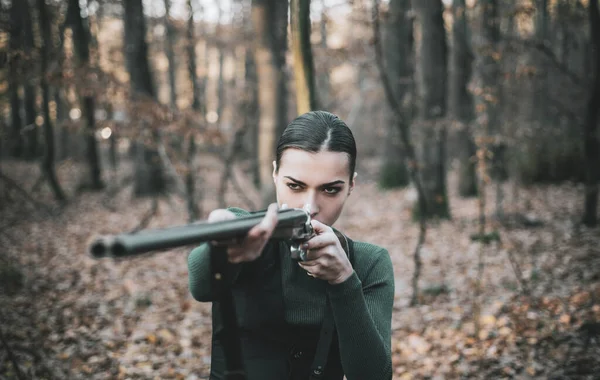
{"x":220,"y":282}
{"x":317,"y":369}
{"x":350,"y":250}
{"x":347,"y":245}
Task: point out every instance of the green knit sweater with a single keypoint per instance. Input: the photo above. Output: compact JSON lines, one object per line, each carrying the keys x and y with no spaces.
{"x":361,"y":305}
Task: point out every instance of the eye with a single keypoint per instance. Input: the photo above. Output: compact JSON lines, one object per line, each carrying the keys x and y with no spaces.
{"x":294,"y":186}
{"x":332,"y":190}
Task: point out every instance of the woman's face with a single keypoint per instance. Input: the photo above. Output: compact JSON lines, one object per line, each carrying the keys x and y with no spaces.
{"x":320,"y":180}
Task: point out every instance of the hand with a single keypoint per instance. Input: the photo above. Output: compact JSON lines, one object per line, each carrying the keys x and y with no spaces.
{"x":326,"y":259}
{"x":250,"y":248}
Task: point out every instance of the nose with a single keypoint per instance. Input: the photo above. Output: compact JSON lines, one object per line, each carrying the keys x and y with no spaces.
{"x":311,"y":203}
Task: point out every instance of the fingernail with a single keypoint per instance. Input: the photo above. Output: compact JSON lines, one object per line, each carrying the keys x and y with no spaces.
{"x":284,"y":206}
{"x":305,"y":245}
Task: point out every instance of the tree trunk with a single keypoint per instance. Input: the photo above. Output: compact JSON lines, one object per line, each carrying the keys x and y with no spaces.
{"x":460,"y":99}
{"x":221,"y":84}
{"x":46,"y":44}
{"x":204,"y":65}
{"x":591,"y":138}
{"x":432,"y":76}
{"x":487,"y":102}
{"x":252,"y":115}
{"x":414,"y":167}
{"x":269,"y":19}
{"x":150,"y":177}
{"x":564,"y":32}
{"x":61,"y":131}
{"x":169,"y":42}
{"x":136,"y":50}
{"x":538,"y":112}
{"x":323,"y":77}
{"x":191,"y":55}
{"x":398,"y":55}
{"x":14,"y":63}
{"x":280,"y":36}
{"x":302,"y":52}
{"x":194,"y":213}
{"x":31,"y":128}
{"x":220,"y":80}
{"x":81,"y":39}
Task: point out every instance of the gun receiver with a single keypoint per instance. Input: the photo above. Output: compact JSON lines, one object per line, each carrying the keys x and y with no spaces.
{"x":293,"y":225}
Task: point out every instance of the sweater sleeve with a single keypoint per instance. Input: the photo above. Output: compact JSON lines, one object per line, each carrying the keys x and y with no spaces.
{"x":199,"y":272}
{"x":199,"y":269}
{"x":363,"y":317}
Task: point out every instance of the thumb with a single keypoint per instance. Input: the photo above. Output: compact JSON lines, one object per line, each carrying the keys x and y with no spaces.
{"x":319,"y":227}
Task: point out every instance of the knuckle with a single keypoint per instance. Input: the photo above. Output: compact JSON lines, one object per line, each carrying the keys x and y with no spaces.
{"x":220,"y":214}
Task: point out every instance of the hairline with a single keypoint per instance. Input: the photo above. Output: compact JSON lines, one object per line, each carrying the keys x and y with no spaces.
{"x":322,"y":148}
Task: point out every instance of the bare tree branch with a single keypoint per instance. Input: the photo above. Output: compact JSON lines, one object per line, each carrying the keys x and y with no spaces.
{"x":11,"y":357}
{"x":517,"y":271}
{"x":13,"y":184}
{"x":146,"y":218}
{"x":229,"y":159}
{"x":547,"y":51}
{"x":413,"y":167}
{"x":242,"y":193}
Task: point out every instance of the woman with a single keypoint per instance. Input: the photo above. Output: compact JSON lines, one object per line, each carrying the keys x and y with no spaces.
{"x":282,"y":304}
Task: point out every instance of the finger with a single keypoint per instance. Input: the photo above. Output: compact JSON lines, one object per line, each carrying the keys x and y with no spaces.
{"x":308,"y":264}
{"x":236,"y":250}
{"x":257,"y":232}
{"x":240,"y":254}
{"x":314,"y":270}
{"x":320,"y":227}
{"x":320,"y":241}
{"x":320,"y":255}
{"x":284,"y":206}
{"x":234,"y":255}
{"x":220,"y":214}
{"x":309,"y":269}
{"x":267,"y":224}
{"x":270,"y":220}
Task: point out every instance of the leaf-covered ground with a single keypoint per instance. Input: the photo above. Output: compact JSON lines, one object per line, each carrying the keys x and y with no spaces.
{"x":64,"y":315}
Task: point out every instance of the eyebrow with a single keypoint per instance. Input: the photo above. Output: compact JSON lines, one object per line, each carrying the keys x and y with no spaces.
{"x":338,"y":182}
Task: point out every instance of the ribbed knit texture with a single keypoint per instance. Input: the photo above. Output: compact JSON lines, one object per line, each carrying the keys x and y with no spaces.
{"x":362,"y":305}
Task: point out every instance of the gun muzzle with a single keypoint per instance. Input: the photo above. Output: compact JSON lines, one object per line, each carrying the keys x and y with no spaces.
{"x":109,"y":246}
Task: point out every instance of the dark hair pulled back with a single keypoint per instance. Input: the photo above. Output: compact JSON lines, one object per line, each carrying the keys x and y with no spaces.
{"x":317,"y":131}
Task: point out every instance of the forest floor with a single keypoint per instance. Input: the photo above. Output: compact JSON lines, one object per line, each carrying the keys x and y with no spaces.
{"x":64,"y":315}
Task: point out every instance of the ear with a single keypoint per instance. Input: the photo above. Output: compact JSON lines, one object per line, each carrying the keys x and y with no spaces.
{"x":274,"y":171}
{"x":352,"y":183}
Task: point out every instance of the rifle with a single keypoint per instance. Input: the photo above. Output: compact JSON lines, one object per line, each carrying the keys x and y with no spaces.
{"x":293,"y":225}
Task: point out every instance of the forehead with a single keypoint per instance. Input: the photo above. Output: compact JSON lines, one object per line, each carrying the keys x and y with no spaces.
{"x":321,"y":167}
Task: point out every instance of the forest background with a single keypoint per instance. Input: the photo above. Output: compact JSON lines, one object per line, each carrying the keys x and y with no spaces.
{"x":479,"y":161}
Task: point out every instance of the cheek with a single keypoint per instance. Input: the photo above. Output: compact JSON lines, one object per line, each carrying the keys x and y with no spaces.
{"x":331,"y":208}
{"x":287,"y":196}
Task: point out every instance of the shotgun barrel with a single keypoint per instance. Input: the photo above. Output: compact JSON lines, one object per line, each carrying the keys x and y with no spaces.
{"x":293,"y":224}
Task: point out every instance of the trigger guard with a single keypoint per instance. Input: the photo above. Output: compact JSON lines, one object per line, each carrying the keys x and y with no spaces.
{"x":302,"y":254}
{"x":297,"y":253}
